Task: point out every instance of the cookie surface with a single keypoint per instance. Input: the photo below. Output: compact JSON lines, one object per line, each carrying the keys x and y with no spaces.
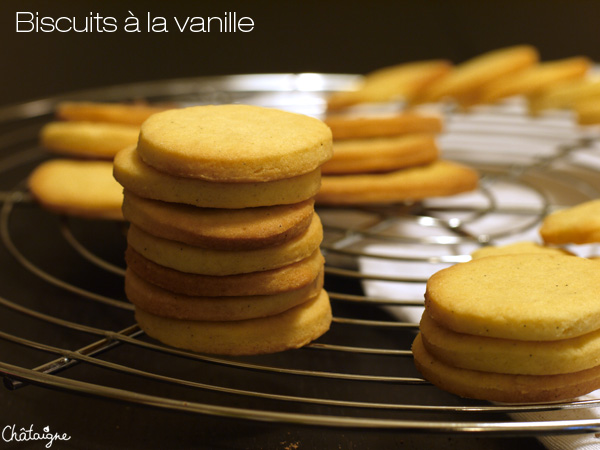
{"x":88,"y":139}
{"x":187,"y":258}
{"x":522,"y":296}
{"x":506,"y":388}
{"x":509,"y":355}
{"x":439,"y":178}
{"x":291,"y":329}
{"x":234,"y":143}
{"x":147,"y":182}
{"x":79,"y":188}
{"x":164,"y":303}
{"x":266,"y":282}
{"x":125,"y":113}
{"x":221,"y":229}
{"x":579,"y":224}
{"x":380,"y":154}
{"x":353,"y":127}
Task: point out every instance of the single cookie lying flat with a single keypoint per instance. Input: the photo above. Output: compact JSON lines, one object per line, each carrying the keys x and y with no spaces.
{"x":234,"y":143}
{"x":125,"y":113}
{"x":78,"y":188}
{"x":291,"y":329}
{"x":579,"y":224}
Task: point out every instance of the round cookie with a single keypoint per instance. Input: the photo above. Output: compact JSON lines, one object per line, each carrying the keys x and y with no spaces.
{"x":266,"y":282}
{"x":579,"y":224}
{"x":517,"y":247}
{"x":509,"y":355}
{"x":293,"y":328}
{"x":187,"y":258}
{"x":380,"y":154}
{"x":439,"y":178}
{"x":507,"y":388}
{"x":88,"y":139}
{"x":163,"y":303}
{"x":234,"y":143}
{"x":221,"y":229}
{"x":521,"y":296}
{"x":357,"y":127}
{"x":125,"y":113}
{"x":78,"y":188}
{"x":147,"y":182}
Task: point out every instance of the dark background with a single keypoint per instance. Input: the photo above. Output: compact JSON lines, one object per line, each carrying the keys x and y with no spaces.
{"x":331,"y":36}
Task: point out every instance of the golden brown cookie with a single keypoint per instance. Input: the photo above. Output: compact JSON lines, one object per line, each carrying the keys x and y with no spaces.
{"x":125,"y":113}
{"x":587,"y":112}
{"x":358,"y":127}
{"x":234,"y":143}
{"x":506,"y":388}
{"x":565,"y":95}
{"x":579,"y":224}
{"x":381,"y":154}
{"x":440,"y":178}
{"x":191,"y":259}
{"x":401,"y":81}
{"x":88,"y":139}
{"x":290,"y":329}
{"x":78,"y":188}
{"x":221,"y":229}
{"x":266,"y":282}
{"x":164,"y":303}
{"x":147,"y":182}
{"x":521,"y":296}
{"x":517,"y":247}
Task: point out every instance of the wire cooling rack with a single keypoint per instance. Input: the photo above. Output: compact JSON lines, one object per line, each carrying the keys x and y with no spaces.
{"x":65,"y":323}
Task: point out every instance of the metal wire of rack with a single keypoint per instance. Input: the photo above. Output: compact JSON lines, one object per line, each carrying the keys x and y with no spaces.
{"x":66,"y":324}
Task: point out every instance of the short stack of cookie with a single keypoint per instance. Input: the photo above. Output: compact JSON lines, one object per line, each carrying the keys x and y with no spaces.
{"x":223,"y":246}
{"x":513,"y":327}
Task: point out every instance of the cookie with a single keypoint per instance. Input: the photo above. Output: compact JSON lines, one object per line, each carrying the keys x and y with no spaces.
{"x":507,"y":388}
{"x":164,"y":303}
{"x":579,"y":224}
{"x":191,"y":259}
{"x":530,"y":297}
{"x":357,"y":127}
{"x":267,"y":282}
{"x":220,"y":229}
{"x":79,"y":188}
{"x":234,"y":143}
{"x":124,"y":113}
{"x":290,"y":329}
{"x":471,"y":75}
{"x":147,"y":182}
{"x":516,"y":248}
{"x":381,"y":154}
{"x":88,"y":139}
{"x":440,"y":178}
{"x":509,"y":355}
{"x":401,"y":81}
{"x":564,"y":95}
{"x":535,"y":79}
{"x":587,"y":112}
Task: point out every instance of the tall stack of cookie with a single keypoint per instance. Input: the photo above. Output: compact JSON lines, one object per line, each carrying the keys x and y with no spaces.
{"x":223,"y":246}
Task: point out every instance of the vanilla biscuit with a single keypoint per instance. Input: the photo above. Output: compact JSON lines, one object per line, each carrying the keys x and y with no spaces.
{"x":521,"y":296}
{"x":88,"y":139}
{"x":440,"y":178}
{"x":353,"y":127}
{"x":234,"y":143}
{"x":579,"y":224}
{"x":124,"y":113}
{"x":266,"y":282}
{"x":221,"y":229}
{"x":587,"y":112}
{"x":507,"y":388}
{"x":290,"y":329}
{"x":509,"y":355}
{"x":381,"y":154}
{"x":78,"y":188}
{"x":517,"y":247}
{"x":567,"y":94}
{"x":164,"y":303}
{"x":147,"y":182}
{"x":191,"y":259}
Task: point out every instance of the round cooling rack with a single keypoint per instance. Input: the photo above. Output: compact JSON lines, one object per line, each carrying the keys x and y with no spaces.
{"x":65,"y":323}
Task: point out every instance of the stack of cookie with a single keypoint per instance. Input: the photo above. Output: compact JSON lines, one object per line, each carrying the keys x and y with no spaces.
{"x":223,"y":246}
{"x":521,"y":327}
{"x":389,"y":158}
